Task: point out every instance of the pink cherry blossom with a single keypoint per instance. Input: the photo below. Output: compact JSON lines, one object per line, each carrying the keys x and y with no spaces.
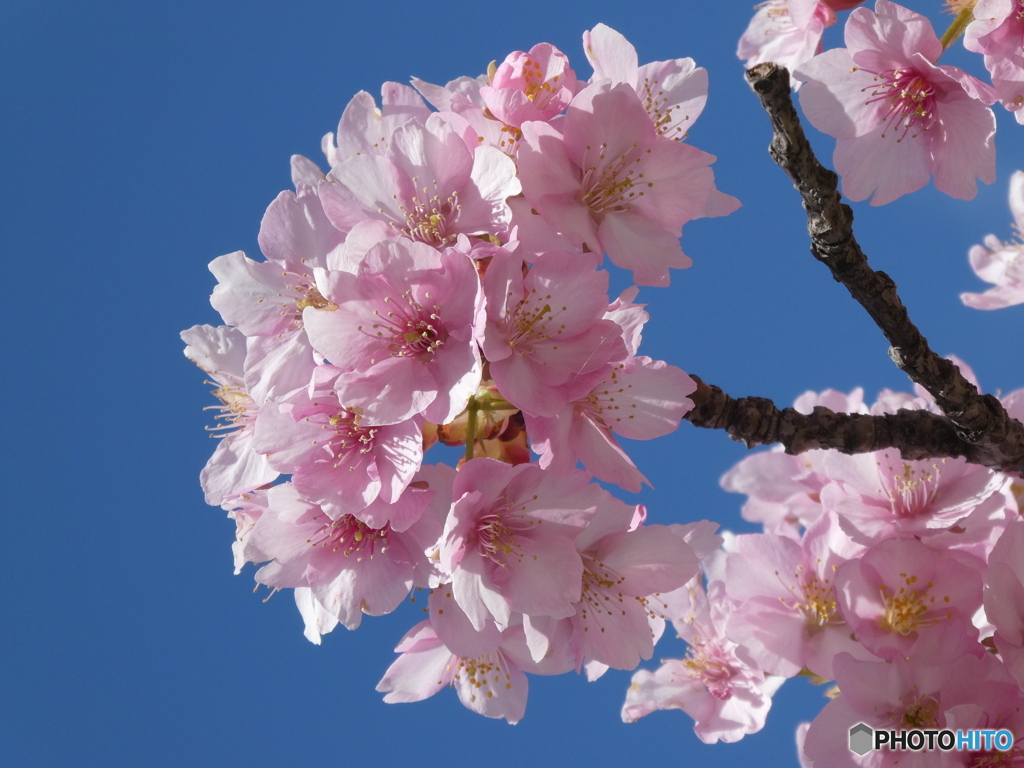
{"x":402,"y":328}
{"x":265,"y":300}
{"x":530,"y":86}
{"x":717,"y":684}
{"x":783,"y":492}
{"x":623,"y":570}
{"x":640,"y":399}
{"x":235,"y":466}
{"x":336,"y":461}
{"x":546,"y":336}
{"x":787,"y":32}
{"x":429,"y":186}
{"x":491,"y":683}
{"x":898,"y":117}
{"x":1001,"y":263}
{"x":928,"y":692}
{"x":469,"y":116}
{"x":997,"y":32}
{"x":1004,"y":596}
{"x":440,"y":96}
{"x":900,"y":590}
{"x":508,"y":543}
{"x":350,"y":568}
{"x":673,"y":93}
{"x":605,"y":179}
{"x":880,"y":495}
{"x":787,"y":613}
{"x":627,"y":567}
{"x":366,"y":128}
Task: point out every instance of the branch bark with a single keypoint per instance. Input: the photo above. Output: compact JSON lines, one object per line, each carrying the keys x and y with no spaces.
{"x":758,"y":421}
{"x":979,"y":421}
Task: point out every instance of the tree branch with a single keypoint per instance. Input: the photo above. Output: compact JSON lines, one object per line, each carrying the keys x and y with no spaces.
{"x":979,"y":420}
{"x":757,"y":421}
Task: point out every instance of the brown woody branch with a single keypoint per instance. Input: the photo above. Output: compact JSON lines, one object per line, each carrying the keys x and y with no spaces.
{"x":757,"y":421}
{"x":984,"y":432}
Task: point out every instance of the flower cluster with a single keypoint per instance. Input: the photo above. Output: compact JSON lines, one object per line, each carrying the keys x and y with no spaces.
{"x":899,"y":580}
{"x":441,"y":283}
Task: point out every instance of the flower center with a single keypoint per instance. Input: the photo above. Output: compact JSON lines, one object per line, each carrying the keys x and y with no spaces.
{"x":496,"y":540}
{"x":708,"y":664}
{"x":907,"y":609}
{"x":497,"y":531}
{"x":608,"y":184}
{"x":410,"y":331}
{"x":311,"y":298}
{"x":431,"y":219}
{"x":910,"y":99}
{"x":533,"y":321}
{"x":777,"y":11}
{"x":348,"y":439}
{"x":600,"y":596}
{"x":911,"y":491}
{"x":1012,"y":758}
{"x":536,"y":88}
{"x":920,"y":712}
{"x":301,"y":293}
{"x":351,"y":537}
{"x":237,"y":410}
{"x":819,"y":603}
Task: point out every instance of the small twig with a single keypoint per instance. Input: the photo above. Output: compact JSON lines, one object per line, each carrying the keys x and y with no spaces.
{"x":979,"y":420}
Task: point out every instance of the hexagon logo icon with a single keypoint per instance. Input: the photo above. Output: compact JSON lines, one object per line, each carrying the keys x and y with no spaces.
{"x":861,"y":739}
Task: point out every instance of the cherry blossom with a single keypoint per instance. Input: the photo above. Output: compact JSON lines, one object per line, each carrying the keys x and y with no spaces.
{"x":235,"y":466}
{"x":898,"y":117}
{"x":900,"y":590}
{"x":1001,"y":263}
{"x":245,"y":510}
{"x":717,"y":684}
{"x":787,"y":32}
{"x":673,"y":93}
{"x":788,"y":613}
{"x":530,"y":86}
{"x":265,"y":299}
{"x":925,"y":693}
{"x":402,"y":329}
{"x":508,"y":543}
{"x":491,"y":683}
{"x":606,"y":179}
{"x":429,"y":186}
{"x":879,"y":495}
{"x":997,"y":31}
{"x":546,"y":338}
{"x":350,"y":568}
{"x":639,"y":398}
{"x":623,"y":570}
{"x":1004,"y":596}
{"x":338,"y":462}
{"x":366,"y":128}
{"x":440,"y":284}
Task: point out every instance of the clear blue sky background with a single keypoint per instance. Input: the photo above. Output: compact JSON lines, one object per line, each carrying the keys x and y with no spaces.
{"x":141,"y":140}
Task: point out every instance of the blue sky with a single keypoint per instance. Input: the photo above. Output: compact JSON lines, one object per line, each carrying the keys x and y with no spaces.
{"x":141,"y":140}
